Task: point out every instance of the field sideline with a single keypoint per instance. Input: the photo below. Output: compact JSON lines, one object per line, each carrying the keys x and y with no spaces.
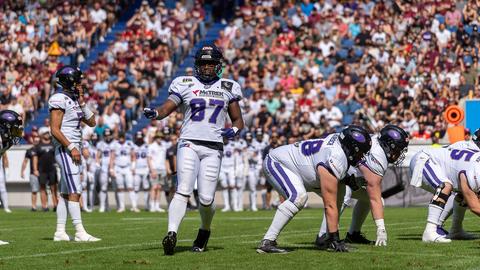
{"x":133,"y":241}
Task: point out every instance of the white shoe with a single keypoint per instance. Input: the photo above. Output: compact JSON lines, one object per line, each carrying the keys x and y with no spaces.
{"x":254,"y":209}
{"x":88,"y":210}
{"x":136,"y":210}
{"x":7,"y":210}
{"x":121,"y":210}
{"x":61,"y":236}
{"x":85,"y":237}
{"x":160,"y":210}
{"x":226,"y":209}
{"x":462,"y":235}
{"x":101,"y":210}
{"x":3,"y":243}
{"x":434,"y":237}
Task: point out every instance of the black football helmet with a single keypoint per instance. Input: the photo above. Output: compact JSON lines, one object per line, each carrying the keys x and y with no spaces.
{"x":394,"y":141}
{"x":356,"y":142}
{"x":476,"y":137}
{"x":68,"y":77}
{"x":139,"y":138}
{"x":208,"y":55}
{"x":11,"y":127}
{"x":108,"y":135}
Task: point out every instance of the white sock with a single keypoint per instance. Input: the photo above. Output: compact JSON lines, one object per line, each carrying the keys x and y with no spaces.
{"x":76,"y":215}
{"x":253,"y":198}
{"x":457,"y":218}
{"x":447,"y":210}
{"x":85,"y":199}
{"x":157,"y":204}
{"x":152,"y":205}
{"x":240,"y":199}
{"x":176,"y":212}
{"x":133,"y":198}
{"x":121,"y":199}
{"x":285,"y":212}
{"x":4,"y":197}
{"x":62,"y":214}
{"x":226,"y":198}
{"x":234,"y":199}
{"x":434,"y":212}
{"x":103,"y":199}
{"x":360,"y":213}
{"x":91,"y":199}
{"x":206,"y":215}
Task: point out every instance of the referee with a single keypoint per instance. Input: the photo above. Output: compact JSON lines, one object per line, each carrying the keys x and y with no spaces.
{"x":44,"y":168}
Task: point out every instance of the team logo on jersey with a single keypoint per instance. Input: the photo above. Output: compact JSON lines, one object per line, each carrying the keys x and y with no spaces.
{"x":196,"y":92}
{"x":227,"y":86}
{"x":207,"y":93}
{"x":186,"y":80}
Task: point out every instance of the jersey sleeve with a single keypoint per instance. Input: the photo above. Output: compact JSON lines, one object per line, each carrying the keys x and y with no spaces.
{"x":175,"y":90}
{"x":375,"y":164}
{"x":333,"y":160}
{"x":57,"y":101}
{"x":473,"y":175}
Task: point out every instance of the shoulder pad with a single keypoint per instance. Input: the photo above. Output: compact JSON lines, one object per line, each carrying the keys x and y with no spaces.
{"x":226,"y":85}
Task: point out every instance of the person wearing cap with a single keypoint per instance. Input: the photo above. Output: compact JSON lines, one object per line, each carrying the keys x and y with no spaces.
{"x":44,"y":167}
{"x":159,"y":170}
{"x":34,"y":139}
{"x":122,"y":168}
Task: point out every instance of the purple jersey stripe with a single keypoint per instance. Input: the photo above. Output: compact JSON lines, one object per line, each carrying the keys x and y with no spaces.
{"x":64,"y":170}
{"x":432,"y":173}
{"x":275,"y":175}
{"x":425,"y":174}
{"x":178,"y":95}
{"x":293,"y":197}
{"x":69,"y":172}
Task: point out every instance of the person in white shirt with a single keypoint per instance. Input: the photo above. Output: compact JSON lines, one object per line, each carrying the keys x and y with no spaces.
{"x":333,"y":115}
{"x":99,"y":17}
{"x":159,"y":170}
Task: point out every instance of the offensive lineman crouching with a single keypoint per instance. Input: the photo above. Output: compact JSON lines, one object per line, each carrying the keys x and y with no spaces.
{"x":67,"y":109}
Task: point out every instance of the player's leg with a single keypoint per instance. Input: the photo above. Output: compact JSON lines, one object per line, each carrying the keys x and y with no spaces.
{"x":153,"y":194}
{"x":92,"y":179}
{"x":240,"y":185}
{"x":233,"y":189}
{"x":435,"y":180}
{"x":163,"y":185}
{"x":131,"y":192}
{"x":42,"y":179}
{"x":84,"y":179}
{"x":62,"y":212}
{"x":360,"y":213}
{"x":35,"y":187}
{"x":3,"y":193}
{"x":252,"y":181}
{"x":207,"y":185}
{"x":456,"y":231}
{"x":225,"y":191}
{"x":146,"y":190}
{"x":53,"y":184}
{"x":289,"y":185}
{"x":120,"y":179}
{"x":103,"y":180}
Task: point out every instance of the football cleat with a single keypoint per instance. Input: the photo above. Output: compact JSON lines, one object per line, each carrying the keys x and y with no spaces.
{"x":3,"y":243}
{"x":85,"y":237}
{"x":441,"y":231}
{"x":7,"y":210}
{"x":434,"y":237}
{"x":200,"y":244}
{"x":160,"y":210}
{"x":226,"y":209}
{"x":462,"y":235}
{"x":269,"y":246}
{"x":136,"y":210}
{"x":169,"y":243}
{"x":321,"y":242}
{"x":358,"y":238}
{"x":61,"y":236}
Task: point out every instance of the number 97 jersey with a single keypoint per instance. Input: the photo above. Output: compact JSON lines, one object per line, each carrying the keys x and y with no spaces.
{"x":205,"y":106}
{"x":304,"y":157}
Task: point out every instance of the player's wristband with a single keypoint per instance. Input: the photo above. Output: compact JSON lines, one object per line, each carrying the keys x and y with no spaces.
{"x":87,"y":112}
{"x":380,"y":223}
{"x":71,"y":146}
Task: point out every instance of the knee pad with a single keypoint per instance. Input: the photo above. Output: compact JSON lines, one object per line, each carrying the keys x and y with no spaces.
{"x":301,"y":200}
{"x":205,"y":200}
{"x":440,"y":198}
{"x":288,"y":208}
{"x":181,"y":197}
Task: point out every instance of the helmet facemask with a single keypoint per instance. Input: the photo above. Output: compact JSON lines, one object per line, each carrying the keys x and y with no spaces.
{"x":208,"y":70}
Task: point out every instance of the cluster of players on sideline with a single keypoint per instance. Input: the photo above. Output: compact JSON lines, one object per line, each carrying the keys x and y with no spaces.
{"x":338,"y":166}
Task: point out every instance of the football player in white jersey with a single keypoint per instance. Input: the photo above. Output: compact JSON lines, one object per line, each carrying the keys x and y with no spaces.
{"x":260,"y":143}
{"x":364,"y":183}
{"x":93,"y":168}
{"x":84,"y":176}
{"x":227,"y":177}
{"x":254,"y":158}
{"x":241,"y":170}
{"x":11,"y":131}
{"x":206,"y":100}
{"x":67,"y":109}
{"x":104,"y":149}
{"x":312,"y":165}
{"x":122,"y":168}
{"x":159,"y":170}
{"x":446,"y":172}
{"x":141,"y":180}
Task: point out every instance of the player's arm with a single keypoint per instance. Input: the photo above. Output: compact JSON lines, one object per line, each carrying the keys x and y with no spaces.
{"x":469,"y":196}
{"x":88,"y":116}
{"x":329,"y":186}
{"x":161,"y":112}
{"x":133,"y":158}
{"x":374,"y":190}
{"x":98,"y":157}
{"x":35,"y":165}
{"x":56,"y":118}
{"x":112,"y":163}
{"x":5,"y":164}
{"x":24,"y":166}
{"x":167,"y":165}
{"x":237,"y":121}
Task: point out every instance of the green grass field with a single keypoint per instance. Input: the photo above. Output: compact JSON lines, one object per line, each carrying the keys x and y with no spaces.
{"x":133,"y":241}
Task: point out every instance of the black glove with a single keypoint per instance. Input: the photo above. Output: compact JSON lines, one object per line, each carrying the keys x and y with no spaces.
{"x":334,"y":243}
{"x":350,"y":181}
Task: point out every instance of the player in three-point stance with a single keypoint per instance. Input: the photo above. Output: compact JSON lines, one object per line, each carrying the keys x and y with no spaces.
{"x":452,"y":174}
{"x":11,"y":131}
{"x":207,"y":100}
{"x":364,"y":183}
{"x":67,"y":109}
{"x":312,"y":165}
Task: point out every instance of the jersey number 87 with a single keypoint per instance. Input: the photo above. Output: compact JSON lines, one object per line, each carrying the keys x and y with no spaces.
{"x":198,"y":106}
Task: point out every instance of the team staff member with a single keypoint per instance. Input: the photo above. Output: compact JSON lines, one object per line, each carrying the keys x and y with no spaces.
{"x":34,"y":184}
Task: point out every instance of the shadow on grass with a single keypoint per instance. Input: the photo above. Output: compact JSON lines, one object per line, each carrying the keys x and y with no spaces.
{"x":178,"y":249}
{"x":415,"y":237}
{"x":47,"y":239}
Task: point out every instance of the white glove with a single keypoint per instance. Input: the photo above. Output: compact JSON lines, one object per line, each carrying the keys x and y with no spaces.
{"x":381,"y":233}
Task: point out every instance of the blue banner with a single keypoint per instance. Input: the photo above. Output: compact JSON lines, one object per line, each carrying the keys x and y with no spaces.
{"x":472,"y":114}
